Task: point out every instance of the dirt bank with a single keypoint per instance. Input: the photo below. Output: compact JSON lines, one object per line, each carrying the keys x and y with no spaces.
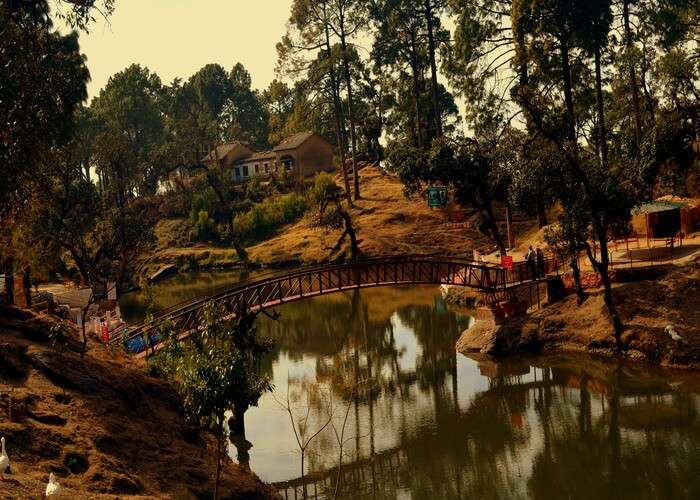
{"x":117,"y":433}
{"x":646,"y":308}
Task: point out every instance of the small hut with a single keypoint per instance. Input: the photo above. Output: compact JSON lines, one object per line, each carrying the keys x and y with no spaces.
{"x":658,"y":219}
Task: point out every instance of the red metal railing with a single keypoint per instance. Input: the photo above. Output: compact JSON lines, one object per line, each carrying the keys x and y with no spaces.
{"x":319,"y":280}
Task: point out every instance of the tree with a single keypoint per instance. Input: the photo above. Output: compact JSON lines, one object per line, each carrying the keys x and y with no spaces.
{"x":303,"y":434}
{"x":402,"y":48}
{"x":217,"y":371}
{"x":327,"y":195}
{"x":70,"y":221}
{"x":310,"y":32}
{"x":245,"y":114}
{"x":461,"y":164}
{"x":593,"y":198}
{"x":279,"y":100}
{"x":42,"y":81}
{"x":128,"y":113}
{"x":432,"y":10}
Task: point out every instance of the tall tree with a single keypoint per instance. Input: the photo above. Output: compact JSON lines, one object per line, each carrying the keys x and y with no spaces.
{"x":310,"y":40}
{"x":593,"y":194}
{"x":246,"y":116}
{"x":432,"y":11}
{"x":346,"y":20}
{"x":128,"y":113}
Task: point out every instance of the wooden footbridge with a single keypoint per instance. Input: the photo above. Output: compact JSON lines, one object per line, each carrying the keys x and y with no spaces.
{"x":489,"y":279}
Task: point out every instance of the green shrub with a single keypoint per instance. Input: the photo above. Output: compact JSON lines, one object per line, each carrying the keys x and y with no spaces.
{"x":205,"y":226}
{"x":322,"y":187}
{"x":202,"y":201}
{"x":263,"y":219}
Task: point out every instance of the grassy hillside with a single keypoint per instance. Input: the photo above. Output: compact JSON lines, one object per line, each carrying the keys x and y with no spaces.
{"x":387,"y":223}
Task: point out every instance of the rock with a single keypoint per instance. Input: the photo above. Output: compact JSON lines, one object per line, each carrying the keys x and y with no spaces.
{"x":460,"y":295}
{"x":14,"y":364}
{"x":46,"y":417}
{"x":163,"y":272}
{"x":476,"y":337}
{"x":124,"y":485}
{"x":77,"y":463}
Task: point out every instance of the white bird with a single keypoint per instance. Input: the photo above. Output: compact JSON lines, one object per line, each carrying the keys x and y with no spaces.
{"x":671,"y":331}
{"x":52,"y":488}
{"x":4,"y":460}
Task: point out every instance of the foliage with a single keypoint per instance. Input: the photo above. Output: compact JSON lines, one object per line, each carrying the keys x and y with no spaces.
{"x":42,"y":81}
{"x":263,"y":219}
{"x":130,"y":128}
{"x":216,"y":371}
{"x":463,"y":165}
{"x":202,"y":201}
{"x":205,"y":227}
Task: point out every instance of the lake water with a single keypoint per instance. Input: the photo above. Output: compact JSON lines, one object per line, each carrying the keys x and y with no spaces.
{"x":377,"y":371}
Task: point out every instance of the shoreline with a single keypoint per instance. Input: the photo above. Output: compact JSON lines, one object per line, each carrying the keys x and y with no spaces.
{"x":646,"y":308}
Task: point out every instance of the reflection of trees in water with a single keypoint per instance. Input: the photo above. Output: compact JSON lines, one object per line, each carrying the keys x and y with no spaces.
{"x":587,"y":455}
{"x":579,"y":426}
{"x":562,"y":430}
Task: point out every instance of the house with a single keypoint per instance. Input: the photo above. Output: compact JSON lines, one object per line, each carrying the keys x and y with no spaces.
{"x":301,"y":155}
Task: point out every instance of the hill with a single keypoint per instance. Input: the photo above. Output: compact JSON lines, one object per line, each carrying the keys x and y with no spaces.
{"x":387,"y":223}
{"x":116,"y":433}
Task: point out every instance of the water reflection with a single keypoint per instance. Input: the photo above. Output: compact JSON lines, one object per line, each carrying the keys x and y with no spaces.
{"x":423,"y":422}
{"x":180,"y":288}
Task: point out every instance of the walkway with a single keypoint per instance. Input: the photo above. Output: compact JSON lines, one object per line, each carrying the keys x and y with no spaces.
{"x":302,"y":283}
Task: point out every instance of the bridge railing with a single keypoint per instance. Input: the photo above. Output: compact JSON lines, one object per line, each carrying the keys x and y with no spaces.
{"x":316,"y":280}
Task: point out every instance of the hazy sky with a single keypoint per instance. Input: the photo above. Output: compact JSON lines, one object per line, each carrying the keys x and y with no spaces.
{"x":177,"y":37}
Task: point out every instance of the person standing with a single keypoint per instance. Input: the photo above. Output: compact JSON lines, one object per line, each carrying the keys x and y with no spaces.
{"x":540,"y":262}
{"x":531,"y":262}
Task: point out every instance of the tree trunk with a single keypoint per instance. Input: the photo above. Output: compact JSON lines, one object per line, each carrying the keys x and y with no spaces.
{"x":433,"y":68}
{"x":632,"y":77}
{"x":8,"y":271}
{"x":351,"y":110}
{"x":602,"y":134}
{"x":568,"y":93}
{"x":237,"y":421}
{"x":219,"y":439}
{"x":83,"y":348}
{"x":337,"y":111}
{"x":415,"y":88}
{"x":541,"y":214}
{"x":493,"y":227}
{"x":576,"y":272}
{"x":226,"y":210}
{"x":602,"y":266}
{"x":509,"y":224}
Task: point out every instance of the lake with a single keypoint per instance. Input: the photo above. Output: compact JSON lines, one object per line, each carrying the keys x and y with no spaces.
{"x":369,"y":384}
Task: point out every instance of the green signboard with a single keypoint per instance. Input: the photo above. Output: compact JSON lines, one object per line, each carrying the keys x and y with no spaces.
{"x":437,"y":196}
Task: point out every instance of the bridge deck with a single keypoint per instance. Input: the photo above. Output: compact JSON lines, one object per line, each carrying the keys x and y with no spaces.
{"x":302,"y":283}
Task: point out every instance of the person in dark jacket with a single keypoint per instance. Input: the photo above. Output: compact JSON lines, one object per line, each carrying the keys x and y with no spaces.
{"x":540,"y":262}
{"x":531,"y":261}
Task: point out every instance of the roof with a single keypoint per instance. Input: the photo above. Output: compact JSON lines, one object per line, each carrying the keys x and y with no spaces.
{"x":294,"y":141}
{"x":658,"y":206}
{"x":264,"y":155}
{"x":223,"y":149}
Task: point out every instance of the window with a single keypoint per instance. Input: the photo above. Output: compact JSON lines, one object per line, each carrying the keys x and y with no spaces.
{"x":257,"y":168}
{"x":237,"y":172}
{"x":267,"y":168}
{"x":245,"y":171}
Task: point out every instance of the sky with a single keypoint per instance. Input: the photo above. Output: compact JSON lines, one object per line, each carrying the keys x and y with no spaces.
{"x":175,"y":38}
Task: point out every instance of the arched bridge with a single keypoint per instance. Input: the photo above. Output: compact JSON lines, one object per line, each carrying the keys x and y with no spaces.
{"x":489,"y":279}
